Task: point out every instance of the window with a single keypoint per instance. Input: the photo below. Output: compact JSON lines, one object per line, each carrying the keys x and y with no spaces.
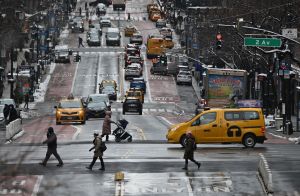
{"x":205,"y":119}
{"x":251,"y":115}
{"x":233,"y":116}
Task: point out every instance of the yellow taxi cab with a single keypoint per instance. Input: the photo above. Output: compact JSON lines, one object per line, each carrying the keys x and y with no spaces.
{"x":135,"y":93}
{"x":232,"y":125}
{"x":110,"y":88}
{"x":129,"y":31}
{"x":70,"y":110}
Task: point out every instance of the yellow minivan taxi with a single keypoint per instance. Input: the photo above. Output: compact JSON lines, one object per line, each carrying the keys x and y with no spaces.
{"x":70,"y":110}
{"x":232,"y":125}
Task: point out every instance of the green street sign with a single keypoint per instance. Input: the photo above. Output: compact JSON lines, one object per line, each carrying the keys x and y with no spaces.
{"x":262,"y":42}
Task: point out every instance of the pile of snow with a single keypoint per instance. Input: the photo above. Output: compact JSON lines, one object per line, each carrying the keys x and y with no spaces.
{"x":269,"y":121}
{"x":39,"y":94}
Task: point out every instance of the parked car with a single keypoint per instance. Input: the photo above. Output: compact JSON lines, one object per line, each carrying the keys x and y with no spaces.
{"x":132,"y":105}
{"x":184,"y":77}
{"x":136,"y":38}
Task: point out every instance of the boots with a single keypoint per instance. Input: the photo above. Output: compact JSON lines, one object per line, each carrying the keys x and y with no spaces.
{"x":198,"y":164}
{"x":102,"y":164}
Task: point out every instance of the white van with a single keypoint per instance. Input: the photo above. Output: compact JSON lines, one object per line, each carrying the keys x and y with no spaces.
{"x":62,"y":54}
{"x":113,"y":37}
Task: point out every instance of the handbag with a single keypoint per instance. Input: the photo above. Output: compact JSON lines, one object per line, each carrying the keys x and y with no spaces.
{"x":103,"y":146}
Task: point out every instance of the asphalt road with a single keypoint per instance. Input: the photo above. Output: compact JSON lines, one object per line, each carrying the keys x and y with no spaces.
{"x":151,"y":166}
{"x":155,"y":169}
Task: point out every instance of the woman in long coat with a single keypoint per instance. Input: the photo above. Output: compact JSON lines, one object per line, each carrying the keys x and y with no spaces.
{"x":106,"y":128}
{"x":189,"y":150}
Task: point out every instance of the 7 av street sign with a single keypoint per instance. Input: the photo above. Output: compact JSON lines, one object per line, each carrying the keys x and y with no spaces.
{"x":262,"y":42}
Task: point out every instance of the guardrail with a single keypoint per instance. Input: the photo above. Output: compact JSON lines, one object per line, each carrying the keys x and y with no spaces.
{"x":265,"y":174}
{"x":13,"y":128}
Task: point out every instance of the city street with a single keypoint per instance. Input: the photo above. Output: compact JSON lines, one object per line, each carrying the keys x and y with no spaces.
{"x":150,"y":164}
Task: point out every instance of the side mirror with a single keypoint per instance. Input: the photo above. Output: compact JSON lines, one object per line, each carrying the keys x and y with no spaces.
{"x":55,"y":107}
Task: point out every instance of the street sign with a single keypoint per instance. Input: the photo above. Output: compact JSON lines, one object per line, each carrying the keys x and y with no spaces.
{"x":262,"y":42}
{"x":290,"y":33}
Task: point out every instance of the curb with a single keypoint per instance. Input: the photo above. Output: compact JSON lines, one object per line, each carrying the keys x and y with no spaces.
{"x":265,"y":174}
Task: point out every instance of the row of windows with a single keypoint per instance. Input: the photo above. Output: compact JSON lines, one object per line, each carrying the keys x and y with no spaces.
{"x":229,"y":116}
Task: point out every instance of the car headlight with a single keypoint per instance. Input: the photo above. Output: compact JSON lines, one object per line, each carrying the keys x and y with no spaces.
{"x":80,"y":112}
{"x":174,"y":128}
{"x":1,"y":118}
{"x":58,"y":112}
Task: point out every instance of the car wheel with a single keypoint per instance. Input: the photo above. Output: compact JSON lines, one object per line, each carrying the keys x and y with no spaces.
{"x":123,"y":112}
{"x":249,"y":140}
{"x":183,"y":140}
{"x":58,"y":123}
{"x":83,"y":122}
{"x":117,"y":139}
{"x":151,"y":72}
{"x":140,"y":112}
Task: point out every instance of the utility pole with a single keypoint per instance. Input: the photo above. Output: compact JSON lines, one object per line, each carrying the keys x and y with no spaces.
{"x":12,"y":80}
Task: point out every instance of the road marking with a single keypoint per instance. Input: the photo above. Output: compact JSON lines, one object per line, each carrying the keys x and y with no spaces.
{"x":146,"y":77}
{"x":98,"y":72}
{"x":166,"y":120}
{"x":73,"y":82}
{"x":189,"y":186}
{"x":78,"y":131}
{"x":140,"y":131}
{"x":37,"y":186}
{"x":120,"y":188}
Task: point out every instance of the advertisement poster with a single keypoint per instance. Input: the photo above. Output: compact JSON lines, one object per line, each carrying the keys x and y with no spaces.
{"x":225,"y":87}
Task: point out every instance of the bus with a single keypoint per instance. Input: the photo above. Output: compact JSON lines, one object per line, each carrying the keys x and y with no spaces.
{"x":222,"y":87}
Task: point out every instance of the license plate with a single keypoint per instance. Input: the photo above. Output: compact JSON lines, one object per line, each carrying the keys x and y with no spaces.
{"x":69,"y":117}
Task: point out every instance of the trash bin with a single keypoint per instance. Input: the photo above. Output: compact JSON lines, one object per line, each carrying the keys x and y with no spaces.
{"x":278,"y":122}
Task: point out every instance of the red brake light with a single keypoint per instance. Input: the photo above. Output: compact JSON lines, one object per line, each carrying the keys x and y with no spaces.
{"x":263,"y":129}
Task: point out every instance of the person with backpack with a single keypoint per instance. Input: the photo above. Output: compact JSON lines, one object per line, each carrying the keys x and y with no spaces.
{"x":99,"y":147}
{"x":190,"y":147}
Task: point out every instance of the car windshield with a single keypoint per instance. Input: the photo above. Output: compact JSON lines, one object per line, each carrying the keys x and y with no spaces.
{"x":134,"y":94}
{"x":113,"y":35}
{"x":105,"y":84}
{"x":97,"y":104}
{"x":70,"y":104}
{"x":184,"y":73}
{"x":108,"y":89}
{"x":7,"y":101}
{"x":97,"y":99}
{"x":137,"y":37}
{"x":132,"y":101}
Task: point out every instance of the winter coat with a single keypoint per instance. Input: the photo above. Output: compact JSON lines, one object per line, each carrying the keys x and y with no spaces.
{"x":189,"y":148}
{"x":106,"y":128}
{"x":97,"y":143}
{"x":13,"y":114}
{"x":51,"y":141}
{"x":6,"y":111}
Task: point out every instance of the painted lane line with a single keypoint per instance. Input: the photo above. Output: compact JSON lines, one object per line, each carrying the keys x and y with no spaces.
{"x":140,"y":131}
{"x":78,"y":131}
{"x":166,"y":120}
{"x":146,"y":78}
{"x":74,"y":77}
{"x":189,"y":186}
{"x":37,"y":186}
{"x":98,"y":72}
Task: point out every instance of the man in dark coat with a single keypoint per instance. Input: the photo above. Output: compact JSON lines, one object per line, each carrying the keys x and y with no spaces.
{"x":6,"y":112}
{"x":52,"y":146}
{"x":189,"y":150}
{"x":13,"y":114}
{"x":97,"y":152}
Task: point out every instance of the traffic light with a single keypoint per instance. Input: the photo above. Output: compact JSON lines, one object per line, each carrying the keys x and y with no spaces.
{"x":219,"y":40}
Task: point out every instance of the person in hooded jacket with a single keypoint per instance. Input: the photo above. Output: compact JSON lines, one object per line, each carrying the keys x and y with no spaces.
{"x":189,"y":150}
{"x":97,"y":152}
{"x":106,"y":128}
{"x":13,"y":114}
{"x":52,"y":146}
{"x":6,"y":112}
